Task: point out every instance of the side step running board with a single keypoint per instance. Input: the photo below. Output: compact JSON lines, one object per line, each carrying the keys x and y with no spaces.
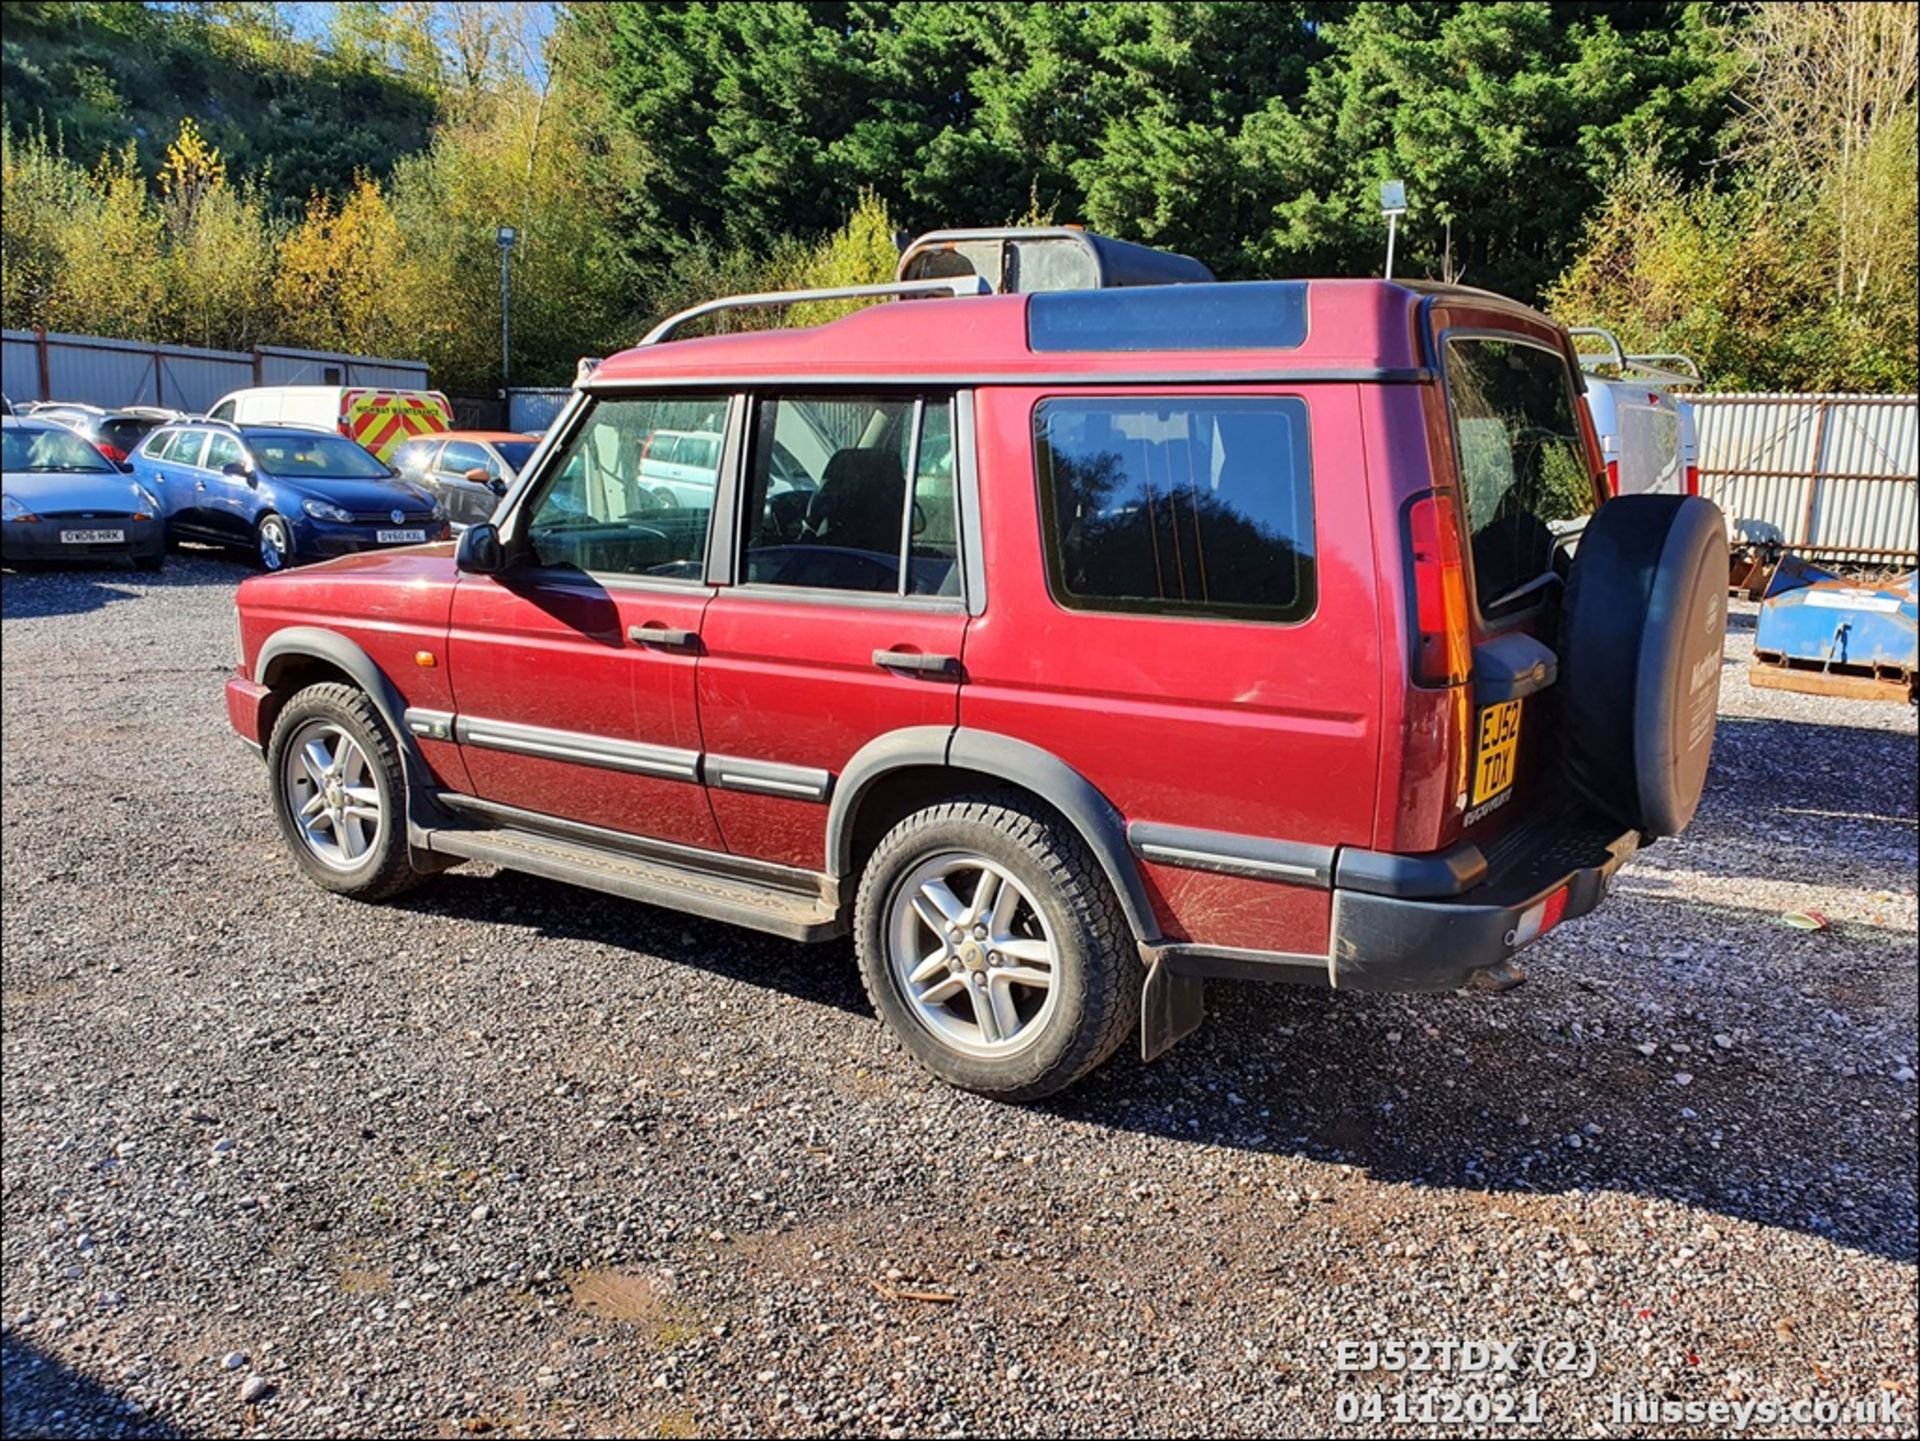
{"x":793,"y":914}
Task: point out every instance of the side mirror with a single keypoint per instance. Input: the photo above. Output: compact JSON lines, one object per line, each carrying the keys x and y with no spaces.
{"x":238,"y":470}
{"x":478,"y":475}
{"x":126,"y":466}
{"x":497,"y":485}
{"x":480,"y":551}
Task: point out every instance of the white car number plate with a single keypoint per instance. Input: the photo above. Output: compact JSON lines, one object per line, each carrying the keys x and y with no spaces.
{"x":92,"y":537}
{"x":400,"y":537}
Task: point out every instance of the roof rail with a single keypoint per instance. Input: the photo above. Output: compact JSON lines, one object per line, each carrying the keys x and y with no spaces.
{"x":1612,"y":341}
{"x":951,"y":286}
{"x":1656,"y":369}
{"x":1665,"y":361}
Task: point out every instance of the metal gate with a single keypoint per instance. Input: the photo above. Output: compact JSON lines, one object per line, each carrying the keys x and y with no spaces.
{"x":1826,"y":475}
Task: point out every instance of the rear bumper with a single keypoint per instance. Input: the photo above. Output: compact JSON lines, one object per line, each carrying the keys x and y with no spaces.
{"x":1390,"y":943}
{"x":1430,"y":923}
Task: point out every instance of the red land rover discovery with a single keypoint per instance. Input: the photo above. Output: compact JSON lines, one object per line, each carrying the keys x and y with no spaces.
{"x":1066,"y":648}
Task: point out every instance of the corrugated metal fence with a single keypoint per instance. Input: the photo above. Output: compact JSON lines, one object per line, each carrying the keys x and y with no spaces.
{"x":532,"y":408}
{"x":1828,"y":475}
{"x":38,"y":365}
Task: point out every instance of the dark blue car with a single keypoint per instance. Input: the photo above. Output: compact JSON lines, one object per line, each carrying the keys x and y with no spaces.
{"x":289,"y":493}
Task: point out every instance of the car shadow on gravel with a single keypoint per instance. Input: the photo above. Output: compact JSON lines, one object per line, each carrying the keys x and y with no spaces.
{"x":76,"y":590}
{"x":43,"y":1397}
{"x":1417,"y":1095}
{"x":823,"y":974}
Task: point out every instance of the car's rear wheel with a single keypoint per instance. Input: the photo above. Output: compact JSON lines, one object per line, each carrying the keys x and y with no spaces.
{"x":339,"y":793}
{"x":993,"y":947}
{"x":275,"y":540}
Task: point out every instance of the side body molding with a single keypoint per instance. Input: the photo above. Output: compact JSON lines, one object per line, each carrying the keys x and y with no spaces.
{"x":337,"y":650}
{"x":1089,"y":812}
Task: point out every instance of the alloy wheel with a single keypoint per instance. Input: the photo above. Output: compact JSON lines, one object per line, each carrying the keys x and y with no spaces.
{"x":972,"y":954}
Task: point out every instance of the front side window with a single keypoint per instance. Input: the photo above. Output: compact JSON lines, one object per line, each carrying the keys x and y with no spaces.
{"x":461,"y":456}
{"x":1185,"y":505}
{"x":1523,"y":468}
{"x":602,"y":508}
{"x":829,"y":504}
{"x":315,"y":456}
{"x":414,"y":457}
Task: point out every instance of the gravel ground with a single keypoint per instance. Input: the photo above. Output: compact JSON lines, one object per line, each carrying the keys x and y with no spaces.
{"x":509,"y":1158}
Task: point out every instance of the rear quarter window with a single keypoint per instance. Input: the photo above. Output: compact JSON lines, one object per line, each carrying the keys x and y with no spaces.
{"x":1196,"y":506}
{"x":1523,"y":469}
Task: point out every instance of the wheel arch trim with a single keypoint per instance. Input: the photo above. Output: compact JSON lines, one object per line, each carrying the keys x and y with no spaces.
{"x":1090,"y":813}
{"x":316,"y":643}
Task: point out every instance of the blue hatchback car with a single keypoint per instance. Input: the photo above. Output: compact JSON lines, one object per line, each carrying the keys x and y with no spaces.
{"x":287,"y":492}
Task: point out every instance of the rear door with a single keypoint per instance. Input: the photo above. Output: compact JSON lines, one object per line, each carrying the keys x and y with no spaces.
{"x":188,"y":503}
{"x":1182,"y":608}
{"x":846,"y":616}
{"x":1528,"y":483}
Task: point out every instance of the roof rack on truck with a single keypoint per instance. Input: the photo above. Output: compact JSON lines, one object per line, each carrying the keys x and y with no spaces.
{"x":1022,"y":259}
{"x":1657,"y":368}
{"x":960,"y":285}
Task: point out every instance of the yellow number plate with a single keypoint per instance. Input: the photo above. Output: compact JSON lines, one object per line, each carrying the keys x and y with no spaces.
{"x":1499,"y":745}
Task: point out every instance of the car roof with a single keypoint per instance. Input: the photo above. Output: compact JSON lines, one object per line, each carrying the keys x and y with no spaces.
{"x":1354,"y":329}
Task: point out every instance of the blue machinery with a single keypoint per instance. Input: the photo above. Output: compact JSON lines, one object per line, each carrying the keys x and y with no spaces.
{"x":1830,"y":636}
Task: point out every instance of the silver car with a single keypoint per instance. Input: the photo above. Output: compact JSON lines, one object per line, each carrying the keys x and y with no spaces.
{"x":61,"y":499}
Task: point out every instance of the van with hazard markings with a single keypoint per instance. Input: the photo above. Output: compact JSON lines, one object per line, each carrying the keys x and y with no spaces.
{"x":380,"y":420}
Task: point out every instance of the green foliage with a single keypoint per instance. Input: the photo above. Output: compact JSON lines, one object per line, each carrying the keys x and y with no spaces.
{"x":102,"y":76}
{"x":1733,"y":181}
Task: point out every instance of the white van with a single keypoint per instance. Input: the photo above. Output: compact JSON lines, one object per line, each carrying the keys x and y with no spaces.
{"x":1646,"y":432}
{"x":380,"y":420}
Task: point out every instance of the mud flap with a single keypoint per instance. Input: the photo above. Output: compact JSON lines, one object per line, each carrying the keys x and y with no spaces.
{"x":1171,"y":1007}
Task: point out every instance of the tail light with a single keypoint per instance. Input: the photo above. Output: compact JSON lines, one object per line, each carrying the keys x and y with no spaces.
{"x":1613,"y":477}
{"x":112,"y":452}
{"x":1442,"y":645}
{"x":1693,"y":480}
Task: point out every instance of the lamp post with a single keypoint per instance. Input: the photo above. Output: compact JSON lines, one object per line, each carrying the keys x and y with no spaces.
{"x":505,"y":236}
{"x":1393,"y":205}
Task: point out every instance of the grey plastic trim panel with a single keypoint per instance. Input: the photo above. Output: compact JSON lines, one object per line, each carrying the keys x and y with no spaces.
{"x":337,"y":650}
{"x":1046,"y":775}
{"x":665,"y":762}
{"x":434,"y":725}
{"x":1075,"y":797}
{"x":1235,"y":963}
{"x":1439,"y":874}
{"x":1292,"y":862}
{"x":1078,"y":379}
{"x":766,"y":778}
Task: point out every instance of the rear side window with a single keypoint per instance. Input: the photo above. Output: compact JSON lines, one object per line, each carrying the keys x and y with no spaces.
{"x":1522,"y":466}
{"x":1178,"y":506}
{"x":185,"y":447}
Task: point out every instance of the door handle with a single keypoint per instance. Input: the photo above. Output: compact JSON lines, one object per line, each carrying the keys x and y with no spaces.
{"x":944,"y":665}
{"x":661,"y":635}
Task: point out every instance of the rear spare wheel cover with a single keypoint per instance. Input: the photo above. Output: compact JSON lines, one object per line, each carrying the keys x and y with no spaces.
{"x":1641,"y":643}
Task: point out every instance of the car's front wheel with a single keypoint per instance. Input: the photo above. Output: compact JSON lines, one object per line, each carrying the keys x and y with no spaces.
{"x":275,"y":540}
{"x":994,"y":948}
{"x":339,"y":793}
